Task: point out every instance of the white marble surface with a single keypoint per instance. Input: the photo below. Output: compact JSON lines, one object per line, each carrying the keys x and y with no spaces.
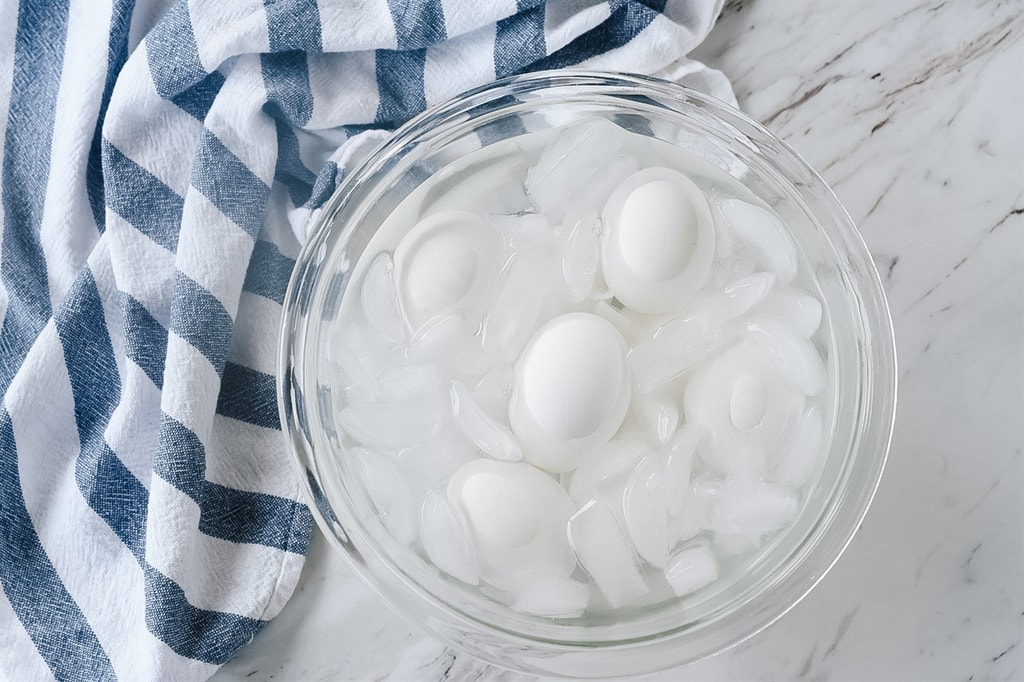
{"x":912,"y":111}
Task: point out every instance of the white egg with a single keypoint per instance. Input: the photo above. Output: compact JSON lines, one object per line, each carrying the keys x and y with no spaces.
{"x":746,"y":408}
{"x":659,"y":240}
{"x":448,"y":262}
{"x":518,"y":517}
{"x":571,"y":392}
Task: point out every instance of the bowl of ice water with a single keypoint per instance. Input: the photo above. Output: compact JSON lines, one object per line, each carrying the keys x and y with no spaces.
{"x":587,"y":374}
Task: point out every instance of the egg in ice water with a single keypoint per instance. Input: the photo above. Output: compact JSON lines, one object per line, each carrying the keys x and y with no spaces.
{"x":447,"y":261}
{"x":659,"y":240}
{"x":571,"y":391}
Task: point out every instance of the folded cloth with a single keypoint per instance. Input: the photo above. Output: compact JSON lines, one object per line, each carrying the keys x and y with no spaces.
{"x":159,"y":162}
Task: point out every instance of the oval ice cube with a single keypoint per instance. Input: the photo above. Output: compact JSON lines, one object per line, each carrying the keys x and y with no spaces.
{"x":748,"y":403}
{"x":679,"y":468}
{"x":606,"y":555}
{"x":492,"y":438}
{"x":605,"y":463}
{"x":765,"y":230}
{"x":446,"y":542}
{"x":379,"y":299}
{"x":645,"y":512}
{"x":579,"y":168}
{"x":797,"y":310}
{"x":390,"y":493}
{"x":402,"y":382}
{"x":581,"y":256}
{"x":524,"y":230}
{"x":799,"y":459}
{"x":494,"y":389}
{"x":554,"y":597}
{"x":691,"y":568}
{"x":391,"y":426}
{"x":434,"y":461}
{"x":450,"y":341}
{"x":749,"y":507}
{"x":690,"y":337}
{"x":655,"y":413}
{"x":525,"y":286}
{"x":795,"y":357}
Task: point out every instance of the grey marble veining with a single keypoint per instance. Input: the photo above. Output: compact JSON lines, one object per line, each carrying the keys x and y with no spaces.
{"x":912,"y":111}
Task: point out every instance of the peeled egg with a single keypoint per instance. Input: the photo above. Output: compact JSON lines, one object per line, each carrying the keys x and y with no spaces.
{"x":517,"y":516}
{"x":448,"y":262}
{"x":571,"y":390}
{"x":745,"y":406}
{"x":659,"y":240}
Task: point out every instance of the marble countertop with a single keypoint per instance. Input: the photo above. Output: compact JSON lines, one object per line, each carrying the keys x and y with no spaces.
{"x":913,"y":113}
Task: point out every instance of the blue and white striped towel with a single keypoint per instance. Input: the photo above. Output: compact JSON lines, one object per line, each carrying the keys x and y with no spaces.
{"x":159,"y":162}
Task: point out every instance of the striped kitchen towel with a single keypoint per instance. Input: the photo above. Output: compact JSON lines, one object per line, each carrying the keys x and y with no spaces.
{"x":159,"y":162}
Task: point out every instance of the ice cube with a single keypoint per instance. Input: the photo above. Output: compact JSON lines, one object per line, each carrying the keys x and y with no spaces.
{"x":675,"y":348}
{"x":446,"y":541}
{"x":688,"y":522}
{"x":655,"y":413}
{"x":391,"y":426}
{"x":734,"y":258}
{"x":795,"y":309}
{"x":691,"y":568}
{"x":450,"y":341}
{"x":742,"y":262}
{"x":798,"y":461}
{"x":794,"y":356}
{"x":403,"y":382}
{"x":523,"y":230}
{"x":748,"y":402}
{"x":357,"y":354}
{"x":390,"y":493}
{"x":495,"y":388}
{"x":747,"y":507}
{"x":592,"y":194}
{"x":645,"y":512}
{"x":579,"y":168}
{"x":696,"y":333}
{"x":610,"y":310}
{"x":679,"y":468}
{"x":612,"y":461}
{"x":521,"y":298}
{"x":734,"y":544}
{"x":581,"y":245}
{"x":552,"y":596}
{"x":739,"y":296}
{"x":764,"y":230}
{"x":436,"y":460}
{"x":480,"y":186}
{"x":605,"y":554}
{"x":379,"y":299}
{"x":490,"y":436}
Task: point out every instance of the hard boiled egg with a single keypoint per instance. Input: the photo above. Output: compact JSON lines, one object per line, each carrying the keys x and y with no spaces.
{"x":571,"y":391}
{"x":448,"y":262}
{"x":517,"y":516}
{"x":746,"y":408}
{"x":659,"y":240}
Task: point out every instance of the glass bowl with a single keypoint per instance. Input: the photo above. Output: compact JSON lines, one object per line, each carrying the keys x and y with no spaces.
{"x":860,"y":361}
